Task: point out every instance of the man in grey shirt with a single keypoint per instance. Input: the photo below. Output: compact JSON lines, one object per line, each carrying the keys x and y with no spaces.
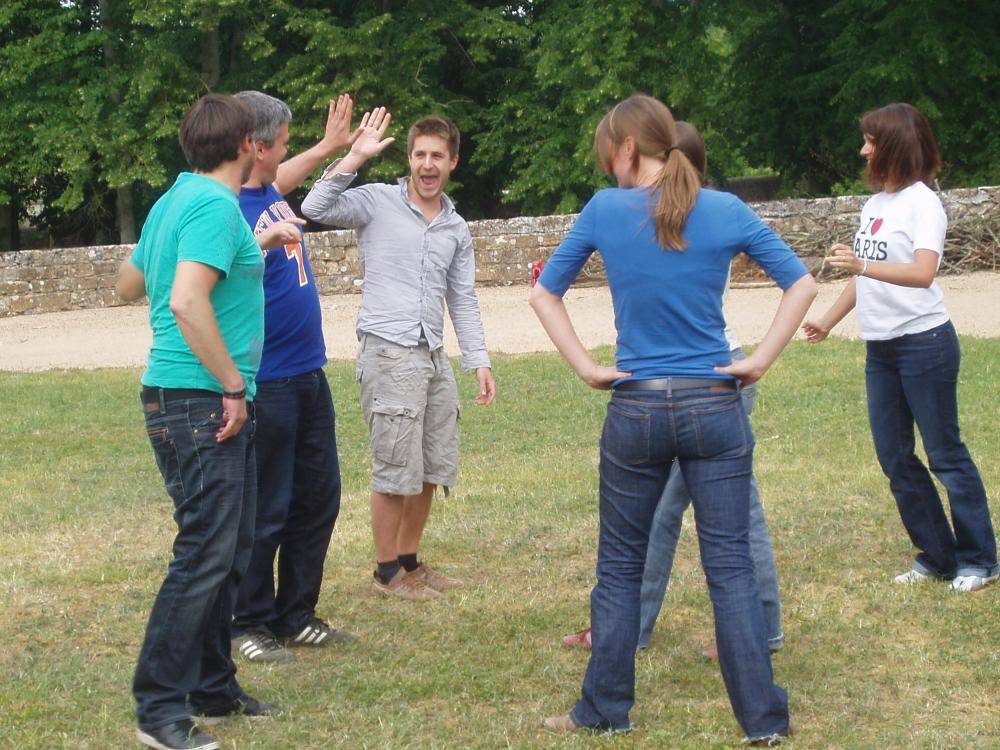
{"x":417,"y":254}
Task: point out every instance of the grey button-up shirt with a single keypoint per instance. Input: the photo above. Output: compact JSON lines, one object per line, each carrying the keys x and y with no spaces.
{"x":411,"y":267}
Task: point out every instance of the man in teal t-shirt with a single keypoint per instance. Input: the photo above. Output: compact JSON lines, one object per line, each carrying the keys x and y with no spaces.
{"x":202,"y":269}
{"x":198,"y":220}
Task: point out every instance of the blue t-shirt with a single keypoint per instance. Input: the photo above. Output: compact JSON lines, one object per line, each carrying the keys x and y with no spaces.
{"x":198,"y":219}
{"x":293,"y":321}
{"x":668,"y":303}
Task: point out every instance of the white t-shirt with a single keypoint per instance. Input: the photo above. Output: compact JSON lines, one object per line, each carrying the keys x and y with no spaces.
{"x":893,"y":227}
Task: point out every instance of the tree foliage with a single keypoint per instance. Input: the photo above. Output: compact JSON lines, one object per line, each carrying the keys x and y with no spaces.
{"x":94,"y":89}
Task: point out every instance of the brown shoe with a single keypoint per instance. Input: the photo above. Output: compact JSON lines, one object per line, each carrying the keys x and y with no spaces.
{"x":404,"y":586}
{"x":560,"y":724}
{"x":435,"y":580}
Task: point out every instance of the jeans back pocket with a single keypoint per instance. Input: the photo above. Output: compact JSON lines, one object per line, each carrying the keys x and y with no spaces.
{"x":626,"y":435}
{"x":722,"y":429}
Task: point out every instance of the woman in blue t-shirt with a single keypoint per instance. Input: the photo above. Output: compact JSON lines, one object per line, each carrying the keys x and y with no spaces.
{"x":667,"y":246}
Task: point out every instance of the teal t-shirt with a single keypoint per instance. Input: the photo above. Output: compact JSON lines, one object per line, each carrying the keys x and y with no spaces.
{"x":199,"y":219}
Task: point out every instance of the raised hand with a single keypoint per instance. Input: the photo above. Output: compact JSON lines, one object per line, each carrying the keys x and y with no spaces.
{"x":370,"y":141}
{"x":338,"y":133}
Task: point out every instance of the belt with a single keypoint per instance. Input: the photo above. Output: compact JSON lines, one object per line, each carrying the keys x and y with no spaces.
{"x":152,"y":395}
{"x":676,"y":384}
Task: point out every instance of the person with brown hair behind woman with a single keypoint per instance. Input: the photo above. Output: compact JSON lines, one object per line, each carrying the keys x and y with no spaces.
{"x":667,"y":247}
{"x":911,"y":371}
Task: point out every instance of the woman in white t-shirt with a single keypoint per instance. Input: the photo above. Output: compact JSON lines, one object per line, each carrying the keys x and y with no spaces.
{"x":911,"y":370}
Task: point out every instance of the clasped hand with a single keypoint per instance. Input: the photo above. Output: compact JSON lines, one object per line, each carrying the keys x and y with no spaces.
{"x":285,"y":232}
{"x":841,"y":256}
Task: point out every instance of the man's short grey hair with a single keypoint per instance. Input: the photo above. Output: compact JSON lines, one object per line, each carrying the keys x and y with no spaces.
{"x":270,"y":112}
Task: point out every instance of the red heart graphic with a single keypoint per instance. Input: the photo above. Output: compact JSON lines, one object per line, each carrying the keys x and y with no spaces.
{"x":876,"y":226}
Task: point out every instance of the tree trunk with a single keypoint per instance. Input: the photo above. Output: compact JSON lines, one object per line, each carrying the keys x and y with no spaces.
{"x":124,"y":212}
{"x":11,"y":239}
{"x":125,"y":215}
{"x":210,"y":66}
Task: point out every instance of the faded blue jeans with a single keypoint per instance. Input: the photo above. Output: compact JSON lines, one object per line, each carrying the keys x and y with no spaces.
{"x":185,"y":664}
{"x":666,"y":530}
{"x":709,"y":433}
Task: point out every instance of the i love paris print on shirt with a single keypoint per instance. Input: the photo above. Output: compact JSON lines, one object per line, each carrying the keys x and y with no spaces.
{"x":865,"y":244}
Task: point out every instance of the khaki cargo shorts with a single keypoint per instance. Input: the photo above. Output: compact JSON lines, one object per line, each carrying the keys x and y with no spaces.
{"x":409,"y":399}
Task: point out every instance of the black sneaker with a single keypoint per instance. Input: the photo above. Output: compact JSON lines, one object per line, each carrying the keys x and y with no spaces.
{"x":180,"y":735}
{"x":247,"y":707}
{"x":319,"y":633}
{"x":260,"y":646}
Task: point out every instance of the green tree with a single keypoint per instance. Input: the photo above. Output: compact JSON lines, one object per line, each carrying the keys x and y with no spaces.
{"x":415,"y":57}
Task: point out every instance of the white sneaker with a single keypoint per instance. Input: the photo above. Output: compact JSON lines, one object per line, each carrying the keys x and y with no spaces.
{"x":912,"y":576}
{"x":972,"y":583}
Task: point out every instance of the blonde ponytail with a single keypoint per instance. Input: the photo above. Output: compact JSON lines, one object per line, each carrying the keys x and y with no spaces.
{"x":678,"y":184}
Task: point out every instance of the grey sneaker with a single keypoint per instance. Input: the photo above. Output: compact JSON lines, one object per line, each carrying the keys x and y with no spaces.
{"x":260,"y":646}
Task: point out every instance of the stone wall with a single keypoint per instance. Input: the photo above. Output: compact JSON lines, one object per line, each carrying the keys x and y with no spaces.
{"x":49,"y":280}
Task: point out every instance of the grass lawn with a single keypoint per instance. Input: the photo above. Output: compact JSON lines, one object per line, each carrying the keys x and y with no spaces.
{"x":85,"y":532}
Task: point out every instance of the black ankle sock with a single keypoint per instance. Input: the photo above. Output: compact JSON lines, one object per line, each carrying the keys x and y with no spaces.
{"x":409,"y":562}
{"x":387,"y":570}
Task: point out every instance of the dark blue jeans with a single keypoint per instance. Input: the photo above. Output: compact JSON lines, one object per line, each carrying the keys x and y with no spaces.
{"x":665,"y":532}
{"x":298,"y":500}
{"x":914,"y":378}
{"x":708,"y":432}
{"x":185,"y":662}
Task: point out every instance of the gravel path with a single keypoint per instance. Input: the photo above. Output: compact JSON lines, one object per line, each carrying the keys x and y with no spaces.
{"x":119,"y":336}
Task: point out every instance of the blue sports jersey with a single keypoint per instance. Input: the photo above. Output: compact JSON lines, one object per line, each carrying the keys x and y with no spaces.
{"x":668,"y":303}
{"x":293,"y":321}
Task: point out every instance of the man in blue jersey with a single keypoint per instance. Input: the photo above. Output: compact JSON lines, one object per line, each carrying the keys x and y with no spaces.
{"x":201,"y":268}
{"x":298,"y":470}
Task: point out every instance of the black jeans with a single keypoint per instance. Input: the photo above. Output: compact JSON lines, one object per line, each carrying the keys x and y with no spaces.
{"x":185,"y":661}
{"x":298,"y":479}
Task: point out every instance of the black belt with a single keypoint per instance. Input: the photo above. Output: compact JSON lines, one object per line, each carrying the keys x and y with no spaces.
{"x":151,"y":395}
{"x":676,"y":384}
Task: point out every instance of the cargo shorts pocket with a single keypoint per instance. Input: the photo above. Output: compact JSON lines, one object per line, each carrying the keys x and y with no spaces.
{"x":392,"y":430}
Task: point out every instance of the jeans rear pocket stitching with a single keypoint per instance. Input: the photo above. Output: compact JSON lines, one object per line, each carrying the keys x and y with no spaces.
{"x":695,"y":418}
{"x":645,"y":419}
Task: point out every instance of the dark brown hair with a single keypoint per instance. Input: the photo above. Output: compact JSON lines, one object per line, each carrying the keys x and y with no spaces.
{"x":213,"y":129}
{"x":905,"y":149}
{"x":689,"y":141}
{"x":435,"y":125}
{"x":649,"y":122}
